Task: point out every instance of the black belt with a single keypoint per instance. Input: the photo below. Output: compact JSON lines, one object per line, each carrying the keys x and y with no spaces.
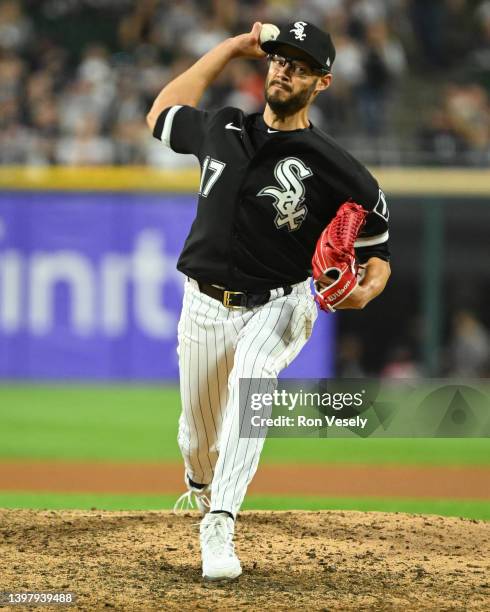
{"x":239,"y":299}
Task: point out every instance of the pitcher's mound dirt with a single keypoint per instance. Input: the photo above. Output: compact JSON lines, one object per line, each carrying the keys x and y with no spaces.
{"x":291,"y":561}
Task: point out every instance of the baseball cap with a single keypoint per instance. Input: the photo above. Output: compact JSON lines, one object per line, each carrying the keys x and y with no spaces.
{"x":307,"y":37}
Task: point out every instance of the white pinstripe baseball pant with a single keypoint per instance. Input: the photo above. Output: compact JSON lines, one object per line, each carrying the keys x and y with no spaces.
{"x":217,"y":347}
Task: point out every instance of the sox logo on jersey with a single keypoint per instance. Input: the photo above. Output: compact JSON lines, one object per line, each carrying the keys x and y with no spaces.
{"x":290,"y":173}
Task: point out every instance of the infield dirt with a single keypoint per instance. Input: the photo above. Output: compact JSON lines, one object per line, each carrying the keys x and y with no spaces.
{"x":291,"y":560}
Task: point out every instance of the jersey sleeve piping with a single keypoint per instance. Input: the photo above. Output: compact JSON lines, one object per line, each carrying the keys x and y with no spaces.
{"x":163,"y":126}
{"x":372,"y":240}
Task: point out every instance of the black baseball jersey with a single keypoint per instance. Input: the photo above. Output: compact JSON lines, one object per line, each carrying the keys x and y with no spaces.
{"x":265,"y":197}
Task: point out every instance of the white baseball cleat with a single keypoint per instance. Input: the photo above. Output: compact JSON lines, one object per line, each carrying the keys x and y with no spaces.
{"x":200,"y":497}
{"x":219,"y":561}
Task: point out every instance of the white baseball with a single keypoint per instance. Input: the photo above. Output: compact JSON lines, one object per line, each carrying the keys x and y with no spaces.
{"x":269,"y":31}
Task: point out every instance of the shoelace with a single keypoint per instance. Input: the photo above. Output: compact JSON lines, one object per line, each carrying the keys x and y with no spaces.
{"x":216,"y":536}
{"x":185,"y":501}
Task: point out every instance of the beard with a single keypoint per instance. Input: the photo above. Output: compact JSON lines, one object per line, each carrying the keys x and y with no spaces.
{"x":284,"y":107}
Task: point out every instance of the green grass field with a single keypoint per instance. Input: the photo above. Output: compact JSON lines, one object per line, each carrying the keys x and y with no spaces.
{"x":133,"y":423}
{"x":51,"y":501}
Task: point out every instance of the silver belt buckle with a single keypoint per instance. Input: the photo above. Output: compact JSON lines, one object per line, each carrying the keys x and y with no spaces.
{"x":227,"y":298}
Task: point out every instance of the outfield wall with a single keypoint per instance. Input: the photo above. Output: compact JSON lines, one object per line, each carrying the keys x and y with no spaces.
{"x":89,"y":288}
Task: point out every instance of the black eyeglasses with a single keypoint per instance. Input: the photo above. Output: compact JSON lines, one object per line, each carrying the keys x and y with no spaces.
{"x":298,"y":68}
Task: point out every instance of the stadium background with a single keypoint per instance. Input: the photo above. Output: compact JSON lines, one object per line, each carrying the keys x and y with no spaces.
{"x":93,"y":211}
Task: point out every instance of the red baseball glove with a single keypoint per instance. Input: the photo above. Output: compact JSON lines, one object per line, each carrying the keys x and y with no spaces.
{"x":334,"y":261}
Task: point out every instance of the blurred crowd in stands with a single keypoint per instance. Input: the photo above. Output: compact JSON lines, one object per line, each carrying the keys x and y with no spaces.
{"x":411,"y":79}
{"x":466,"y":353}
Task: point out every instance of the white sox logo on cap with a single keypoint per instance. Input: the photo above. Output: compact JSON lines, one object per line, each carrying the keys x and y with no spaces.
{"x":299,"y":30}
{"x":306,"y":37}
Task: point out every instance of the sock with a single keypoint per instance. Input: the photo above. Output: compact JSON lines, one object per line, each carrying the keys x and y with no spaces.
{"x":196,"y":485}
{"x":223,"y":512}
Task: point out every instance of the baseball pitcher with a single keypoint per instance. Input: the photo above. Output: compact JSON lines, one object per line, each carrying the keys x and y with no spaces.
{"x":278,"y":200}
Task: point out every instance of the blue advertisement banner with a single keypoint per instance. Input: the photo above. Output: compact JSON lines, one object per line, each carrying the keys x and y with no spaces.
{"x":89,"y":289}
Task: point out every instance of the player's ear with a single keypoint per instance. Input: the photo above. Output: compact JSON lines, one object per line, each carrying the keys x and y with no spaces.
{"x":324,"y":82}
